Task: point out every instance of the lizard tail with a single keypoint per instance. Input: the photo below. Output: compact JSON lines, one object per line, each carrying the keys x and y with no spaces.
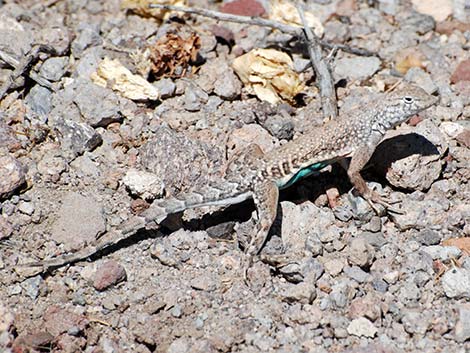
{"x":221,"y":194}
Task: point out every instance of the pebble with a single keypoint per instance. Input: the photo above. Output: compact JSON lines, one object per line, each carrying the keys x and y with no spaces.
{"x":166,"y":87}
{"x":428,"y":237}
{"x":12,"y":176}
{"x":421,"y":78}
{"x":443,"y":253}
{"x":462,"y":72}
{"x":356,"y":273}
{"x":143,"y":184}
{"x":58,"y":321}
{"x":462,"y":326}
{"x":303,"y":293}
{"x":334,"y":266}
{"x":356,"y":68}
{"x":456,"y":283}
{"x":54,"y":68}
{"x":88,"y":37}
{"x":360,"y":253}
{"x":109,"y":274}
{"x":280,"y":127}
{"x":26,"y":207}
{"x":362,"y":327}
{"x":39,"y":99}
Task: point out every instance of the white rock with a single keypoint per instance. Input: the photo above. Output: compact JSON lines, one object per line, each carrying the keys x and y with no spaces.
{"x":143,"y":184}
{"x":362,"y":327}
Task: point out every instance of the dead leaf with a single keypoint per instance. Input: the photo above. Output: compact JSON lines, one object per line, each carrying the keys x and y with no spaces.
{"x":461,"y":243}
{"x":286,"y":12}
{"x":141,"y":7}
{"x":170,"y":55}
{"x":408,"y":58}
{"x":268,"y":74}
{"x":112,"y":74}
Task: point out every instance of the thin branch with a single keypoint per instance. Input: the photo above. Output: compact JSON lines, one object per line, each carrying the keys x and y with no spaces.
{"x":324,"y":79}
{"x":256,"y":21}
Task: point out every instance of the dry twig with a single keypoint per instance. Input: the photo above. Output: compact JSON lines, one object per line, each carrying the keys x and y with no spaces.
{"x":257,"y":21}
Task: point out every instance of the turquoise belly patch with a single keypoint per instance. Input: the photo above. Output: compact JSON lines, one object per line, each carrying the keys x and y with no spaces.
{"x":302,"y":173}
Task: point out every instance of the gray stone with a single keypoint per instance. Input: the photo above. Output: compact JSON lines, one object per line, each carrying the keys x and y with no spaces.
{"x":12,"y":176}
{"x":357,"y":274}
{"x":54,"y":68}
{"x":26,"y":207}
{"x":88,"y":37}
{"x":428,"y":237}
{"x":194,"y":98}
{"x":416,"y":322}
{"x":362,"y":327}
{"x":304,"y":293}
{"x":166,"y":87}
{"x":462,"y":327}
{"x":31,"y":286}
{"x":70,"y":229}
{"x":14,"y":39}
{"x":420,"y":214}
{"x":418,"y":22}
{"x":443,"y":253}
{"x":356,"y":68}
{"x":279,"y":126}
{"x":456,"y":283}
{"x":227,"y":85}
{"x":99,"y":106}
{"x":76,"y":138}
{"x":39,"y":100}
{"x":389,"y":7}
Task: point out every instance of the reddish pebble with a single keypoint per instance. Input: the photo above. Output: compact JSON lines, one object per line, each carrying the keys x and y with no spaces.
{"x":108,"y":274}
{"x":244,"y":8}
{"x":461,"y":73}
{"x":415,"y":120}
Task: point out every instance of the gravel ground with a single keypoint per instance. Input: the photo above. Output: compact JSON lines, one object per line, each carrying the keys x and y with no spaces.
{"x":77,"y":159}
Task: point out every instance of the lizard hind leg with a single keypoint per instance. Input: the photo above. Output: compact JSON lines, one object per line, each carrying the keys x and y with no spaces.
{"x":265,"y":196}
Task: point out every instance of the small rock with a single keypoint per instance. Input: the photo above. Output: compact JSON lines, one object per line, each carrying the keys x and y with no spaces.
{"x":461,"y":73}
{"x":303,"y":293}
{"x":357,"y":68}
{"x":70,"y":228}
{"x":360,"y":253}
{"x":391,"y":277}
{"x":244,"y":8}
{"x":280,"y":127}
{"x":37,"y":339}
{"x":362,"y":327}
{"x":438,"y":9}
{"x":464,"y":138}
{"x":39,"y":100}
{"x":166,"y":87}
{"x":12,"y":176}
{"x":143,"y":184}
{"x":194,"y":98}
{"x":428,"y":237}
{"x":443,"y":253}
{"x":356,"y":273}
{"x":180,"y":345}
{"x":5,"y":228}
{"x":246,"y":135}
{"x":456,"y":283}
{"x":58,"y":321}
{"x":54,"y":68}
{"x":462,"y":327}
{"x":88,"y":37}
{"x":76,"y":138}
{"x":26,"y":207}
{"x":334,"y":266}
{"x":6,"y":318}
{"x":452,"y":129}
{"x":415,"y":322}
{"x":389,"y":7}
{"x":109,"y":274}
{"x":367,"y":306}
{"x":31,"y":286}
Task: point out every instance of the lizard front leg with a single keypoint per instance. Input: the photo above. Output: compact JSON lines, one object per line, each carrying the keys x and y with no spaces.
{"x":265,"y":196}
{"x":359,"y":159}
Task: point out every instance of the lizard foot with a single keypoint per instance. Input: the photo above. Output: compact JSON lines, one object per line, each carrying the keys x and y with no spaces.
{"x":375,"y":198}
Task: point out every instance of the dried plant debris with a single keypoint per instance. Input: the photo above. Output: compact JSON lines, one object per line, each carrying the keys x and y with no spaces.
{"x":269,"y":74}
{"x":141,"y":7}
{"x":119,"y":78}
{"x":285,"y":11}
{"x":172,"y":54}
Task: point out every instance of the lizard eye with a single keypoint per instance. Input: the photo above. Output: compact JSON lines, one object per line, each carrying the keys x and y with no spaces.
{"x":408,"y":99}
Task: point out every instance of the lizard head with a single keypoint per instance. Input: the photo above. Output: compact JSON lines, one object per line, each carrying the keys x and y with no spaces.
{"x":401,"y":104}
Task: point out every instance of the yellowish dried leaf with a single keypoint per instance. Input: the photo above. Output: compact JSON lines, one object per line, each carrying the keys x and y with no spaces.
{"x":461,"y":243}
{"x":409,"y":61}
{"x":119,"y":78}
{"x":268,"y":74}
{"x":286,"y":12}
{"x":141,"y":7}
